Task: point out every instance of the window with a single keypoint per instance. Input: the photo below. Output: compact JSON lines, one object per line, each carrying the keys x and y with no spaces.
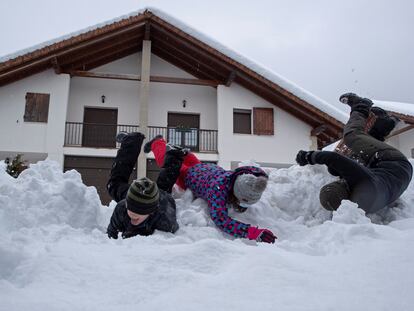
{"x":242,"y":121}
{"x":412,"y":153}
{"x":263,"y":121}
{"x":37,"y":107}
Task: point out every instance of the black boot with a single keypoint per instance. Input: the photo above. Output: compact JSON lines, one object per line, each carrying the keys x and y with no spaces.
{"x":123,"y":164}
{"x":171,"y":169}
{"x":177,"y":150}
{"x":383,"y":125}
{"x":147,"y":146}
{"x":122,"y":135}
{"x":359,"y":104}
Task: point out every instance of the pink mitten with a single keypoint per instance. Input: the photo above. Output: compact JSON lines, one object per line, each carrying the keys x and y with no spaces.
{"x":261,"y":235}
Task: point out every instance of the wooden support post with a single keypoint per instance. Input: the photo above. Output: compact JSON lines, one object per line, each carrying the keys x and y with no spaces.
{"x":143,"y":102}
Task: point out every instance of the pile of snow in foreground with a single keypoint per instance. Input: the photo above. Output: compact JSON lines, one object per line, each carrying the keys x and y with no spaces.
{"x":54,"y":254}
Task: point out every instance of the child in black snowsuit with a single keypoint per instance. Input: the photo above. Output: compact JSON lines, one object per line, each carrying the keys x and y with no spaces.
{"x":143,"y":206}
{"x":386,"y":174}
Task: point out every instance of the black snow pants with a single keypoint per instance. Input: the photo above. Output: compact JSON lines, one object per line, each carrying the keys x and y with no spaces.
{"x":386,"y":175}
{"x":124,"y":163}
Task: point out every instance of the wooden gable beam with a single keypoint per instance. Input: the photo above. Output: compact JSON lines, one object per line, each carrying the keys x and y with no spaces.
{"x":183,"y":64}
{"x":147,"y":33}
{"x":103,"y":48}
{"x":88,"y":43}
{"x":110,"y":58}
{"x":131,"y":77}
{"x":112,"y":54}
{"x":189,"y":58}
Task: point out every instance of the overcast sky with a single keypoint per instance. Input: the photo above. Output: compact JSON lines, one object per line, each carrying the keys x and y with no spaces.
{"x":325,"y":46}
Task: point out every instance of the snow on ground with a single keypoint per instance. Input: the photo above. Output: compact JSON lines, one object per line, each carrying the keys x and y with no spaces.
{"x":54,"y":254}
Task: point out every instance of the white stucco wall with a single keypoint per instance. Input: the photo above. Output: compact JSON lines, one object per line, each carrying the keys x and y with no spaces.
{"x":403,"y":142}
{"x":407,"y":143}
{"x":290,"y":135}
{"x":34,"y":137}
{"x":124,"y":95}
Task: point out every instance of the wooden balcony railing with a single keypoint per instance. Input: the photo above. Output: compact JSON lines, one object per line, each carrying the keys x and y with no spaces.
{"x":96,"y":135}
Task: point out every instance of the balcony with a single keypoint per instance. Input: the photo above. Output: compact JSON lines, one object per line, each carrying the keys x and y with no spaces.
{"x":95,"y":135}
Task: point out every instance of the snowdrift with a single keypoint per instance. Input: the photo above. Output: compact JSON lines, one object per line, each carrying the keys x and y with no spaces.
{"x":55,"y":255}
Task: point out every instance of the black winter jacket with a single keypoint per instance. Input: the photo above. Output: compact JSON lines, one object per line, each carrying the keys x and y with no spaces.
{"x":163,"y":219}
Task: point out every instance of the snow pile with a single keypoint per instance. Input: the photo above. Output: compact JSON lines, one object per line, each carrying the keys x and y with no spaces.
{"x":54,"y":254}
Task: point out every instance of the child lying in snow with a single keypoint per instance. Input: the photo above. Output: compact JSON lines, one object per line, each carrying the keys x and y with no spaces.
{"x":241,"y":187}
{"x":144,"y":205}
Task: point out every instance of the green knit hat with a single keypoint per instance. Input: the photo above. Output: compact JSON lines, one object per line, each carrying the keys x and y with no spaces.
{"x":143,"y":196}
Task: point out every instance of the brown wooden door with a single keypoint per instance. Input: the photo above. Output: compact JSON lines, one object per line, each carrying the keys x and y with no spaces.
{"x":99,"y":129}
{"x":183,"y":130}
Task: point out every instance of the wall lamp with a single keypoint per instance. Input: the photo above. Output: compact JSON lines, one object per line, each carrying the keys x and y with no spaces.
{"x":103,"y":99}
{"x":184,"y":103}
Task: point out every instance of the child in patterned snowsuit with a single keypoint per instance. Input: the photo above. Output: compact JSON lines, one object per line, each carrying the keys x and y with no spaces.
{"x":241,"y":188}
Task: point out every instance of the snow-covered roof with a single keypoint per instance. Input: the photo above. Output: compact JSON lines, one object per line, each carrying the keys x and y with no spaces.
{"x":403,"y":108}
{"x":249,"y":63}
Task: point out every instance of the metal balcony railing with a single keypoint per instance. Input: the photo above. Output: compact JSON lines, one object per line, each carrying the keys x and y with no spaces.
{"x":96,"y":135}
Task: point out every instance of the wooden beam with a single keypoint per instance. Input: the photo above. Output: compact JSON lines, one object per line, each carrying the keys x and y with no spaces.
{"x":56,"y":65}
{"x":102,"y":75}
{"x":70,"y":50}
{"x":102,"y":48}
{"x":147,"y":34}
{"x":190,"y":60}
{"x":400,"y":131}
{"x":112,"y":55}
{"x":318,"y":130}
{"x":181,"y":50}
{"x":184,"y":81}
{"x":131,"y":77}
{"x":231,"y":78}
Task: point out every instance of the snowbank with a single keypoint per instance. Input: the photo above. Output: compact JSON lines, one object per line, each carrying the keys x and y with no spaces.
{"x":54,"y":254}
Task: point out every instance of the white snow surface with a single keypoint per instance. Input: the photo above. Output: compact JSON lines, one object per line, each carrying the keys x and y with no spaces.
{"x":249,"y":63}
{"x":404,"y":108}
{"x":55,"y":255}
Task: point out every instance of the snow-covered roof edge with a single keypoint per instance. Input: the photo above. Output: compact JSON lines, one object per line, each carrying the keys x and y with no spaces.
{"x":403,"y":108}
{"x":249,"y":63}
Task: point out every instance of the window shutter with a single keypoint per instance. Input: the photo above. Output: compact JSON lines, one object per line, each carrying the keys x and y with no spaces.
{"x":37,"y":107}
{"x":242,"y":121}
{"x":263,"y":123}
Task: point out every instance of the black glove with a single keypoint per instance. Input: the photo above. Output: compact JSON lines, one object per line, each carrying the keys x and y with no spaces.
{"x":304,"y":157}
{"x":267,"y":237}
{"x":112,"y":234}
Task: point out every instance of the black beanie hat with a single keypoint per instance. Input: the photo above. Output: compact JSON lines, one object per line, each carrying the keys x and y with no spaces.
{"x":143,"y":196}
{"x":332,"y":194}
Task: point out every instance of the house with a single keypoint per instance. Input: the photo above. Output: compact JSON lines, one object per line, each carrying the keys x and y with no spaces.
{"x":402,"y":137}
{"x":67,"y":98}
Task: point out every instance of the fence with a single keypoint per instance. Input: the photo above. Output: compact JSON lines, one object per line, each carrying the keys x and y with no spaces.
{"x":103,"y":136}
